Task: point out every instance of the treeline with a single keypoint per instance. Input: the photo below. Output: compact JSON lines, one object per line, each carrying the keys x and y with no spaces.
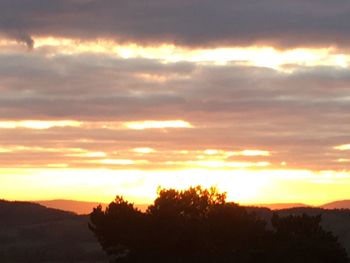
{"x":198,"y":225}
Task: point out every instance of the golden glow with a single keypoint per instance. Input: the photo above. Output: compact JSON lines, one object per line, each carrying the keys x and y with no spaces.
{"x":341,"y":160}
{"x":37,"y":124}
{"x":117,"y":161}
{"x":219,"y":164}
{"x":152,"y":77}
{"x":243,"y":186}
{"x":343,"y":147}
{"x":142,"y":125}
{"x":78,"y":152}
{"x":211,"y":152}
{"x":145,"y":150}
{"x":57,"y":165}
{"x":263,"y":56}
{"x":88,"y":154}
{"x":5,"y":150}
{"x":246,"y":180}
{"x":252,"y":153}
{"x":122,"y":161}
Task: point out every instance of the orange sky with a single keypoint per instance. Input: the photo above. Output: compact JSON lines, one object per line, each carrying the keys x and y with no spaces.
{"x":90,"y":119}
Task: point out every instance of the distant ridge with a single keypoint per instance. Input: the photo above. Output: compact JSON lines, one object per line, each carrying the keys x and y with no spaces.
{"x":79,"y":207}
{"x":84,"y":208}
{"x":342,"y":204}
{"x":282,"y":205}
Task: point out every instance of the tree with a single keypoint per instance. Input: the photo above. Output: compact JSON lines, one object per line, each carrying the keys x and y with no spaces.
{"x":302,"y":239}
{"x":120,"y":229}
{"x":198,"y":225}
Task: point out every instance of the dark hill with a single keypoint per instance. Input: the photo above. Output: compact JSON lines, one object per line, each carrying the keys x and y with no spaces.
{"x":33,"y":233}
{"x":24,"y":213}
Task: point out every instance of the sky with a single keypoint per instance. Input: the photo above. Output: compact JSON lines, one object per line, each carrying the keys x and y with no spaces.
{"x":107,"y":97}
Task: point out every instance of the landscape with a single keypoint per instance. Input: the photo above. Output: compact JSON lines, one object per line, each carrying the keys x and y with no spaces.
{"x":30,"y":232}
{"x":129,"y":128}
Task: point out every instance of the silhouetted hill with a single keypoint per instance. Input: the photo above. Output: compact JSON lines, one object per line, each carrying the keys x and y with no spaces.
{"x":33,"y":233}
{"x":342,"y":204}
{"x":24,"y":213}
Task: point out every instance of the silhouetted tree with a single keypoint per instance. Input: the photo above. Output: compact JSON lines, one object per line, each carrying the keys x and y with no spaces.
{"x":198,"y":225}
{"x":302,"y":239}
{"x":121,"y":229}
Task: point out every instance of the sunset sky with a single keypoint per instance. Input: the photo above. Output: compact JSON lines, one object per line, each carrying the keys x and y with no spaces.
{"x":107,"y":97}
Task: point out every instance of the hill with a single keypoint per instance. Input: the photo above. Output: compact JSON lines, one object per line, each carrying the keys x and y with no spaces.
{"x":281,"y":205}
{"x":85,"y":208}
{"x":33,"y":233}
{"x":343,"y":204}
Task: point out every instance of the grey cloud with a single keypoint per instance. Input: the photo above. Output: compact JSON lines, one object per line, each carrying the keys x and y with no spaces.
{"x":86,"y":86}
{"x":23,"y":37}
{"x":231,"y":106}
{"x":281,"y":23}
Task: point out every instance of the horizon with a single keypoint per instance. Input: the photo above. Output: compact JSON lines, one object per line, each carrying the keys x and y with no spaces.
{"x":106,"y":98}
{"x":86,"y":207}
{"x":283,"y":205}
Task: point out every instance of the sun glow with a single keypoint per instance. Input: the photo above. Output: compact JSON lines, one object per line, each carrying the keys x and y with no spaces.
{"x":143,"y":150}
{"x":220,"y":164}
{"x":343,"y":147}
{"x":111,"y":154}
{"x":37,"y":124}
{"x":102,"y":185}
{"x":262,"y":56}
{"x":252,"y":153}
{"x":142,"y":125}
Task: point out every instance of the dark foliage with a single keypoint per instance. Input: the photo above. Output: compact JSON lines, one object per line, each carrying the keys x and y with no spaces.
{"x":198,"y":225}
{"x":304,"y":240}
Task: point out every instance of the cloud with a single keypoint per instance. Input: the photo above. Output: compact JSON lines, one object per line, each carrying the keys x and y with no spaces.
{"x":22,"y":37}
{"x":184,"y":22}
{"x":343,"y":147}
{"x":230,"y":107}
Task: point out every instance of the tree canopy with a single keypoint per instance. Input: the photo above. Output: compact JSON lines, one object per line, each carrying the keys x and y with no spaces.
{"x":198,"y":225}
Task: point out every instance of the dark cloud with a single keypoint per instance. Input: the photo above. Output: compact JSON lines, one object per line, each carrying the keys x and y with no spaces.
{"x":106,"y":87}
{"x":23,"y":37}
{"x":281,"y":23}
{"x":300,"y":116}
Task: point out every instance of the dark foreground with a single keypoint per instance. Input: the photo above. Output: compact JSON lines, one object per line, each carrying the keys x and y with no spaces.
{"x":33,"y":233}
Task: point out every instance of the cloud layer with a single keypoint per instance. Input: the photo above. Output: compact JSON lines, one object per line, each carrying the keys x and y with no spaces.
{"x":184,"y":22}
{"x":298,"y":117}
